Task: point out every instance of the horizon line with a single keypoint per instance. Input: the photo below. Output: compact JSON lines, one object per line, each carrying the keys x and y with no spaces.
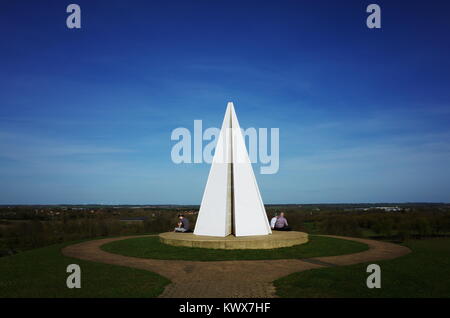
{"x":171,"y":204}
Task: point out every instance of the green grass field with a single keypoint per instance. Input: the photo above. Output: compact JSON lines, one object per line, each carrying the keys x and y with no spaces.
{"x":423,"y":273}
{"x":42,"y":273}
{"x":151,"y":247}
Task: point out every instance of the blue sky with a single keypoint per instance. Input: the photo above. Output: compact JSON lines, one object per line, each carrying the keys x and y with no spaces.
{"x":86,"y":115}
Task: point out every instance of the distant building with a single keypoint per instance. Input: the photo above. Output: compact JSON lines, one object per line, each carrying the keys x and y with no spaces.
{"x":383,"y":208}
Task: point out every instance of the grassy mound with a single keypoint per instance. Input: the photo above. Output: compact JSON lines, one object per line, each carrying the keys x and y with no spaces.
{"x":422,"y":273}
{"x":42,"y":273}
{"x":151,"y":247}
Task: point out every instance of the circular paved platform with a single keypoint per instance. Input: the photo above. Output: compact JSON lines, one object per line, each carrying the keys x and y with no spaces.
{"x":275,"y":240}
{"x":201,"y":279}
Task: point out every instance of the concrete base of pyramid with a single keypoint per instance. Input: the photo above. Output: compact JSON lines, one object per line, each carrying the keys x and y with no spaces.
{"x":275,"y":240}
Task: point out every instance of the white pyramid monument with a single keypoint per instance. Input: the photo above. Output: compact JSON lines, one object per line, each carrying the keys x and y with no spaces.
{"x":231,"y":203}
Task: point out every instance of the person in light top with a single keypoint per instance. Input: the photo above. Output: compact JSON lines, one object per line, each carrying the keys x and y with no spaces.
{"x":281,"y":224}
{"x":273,"y":221}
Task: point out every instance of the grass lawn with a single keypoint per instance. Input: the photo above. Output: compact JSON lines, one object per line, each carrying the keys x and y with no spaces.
{"x":151,"y":247}
{"x":42,"y":273}
{"x":423,"y":273}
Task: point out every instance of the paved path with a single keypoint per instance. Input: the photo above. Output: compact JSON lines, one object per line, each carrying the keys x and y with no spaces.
{"x":228,"y":279}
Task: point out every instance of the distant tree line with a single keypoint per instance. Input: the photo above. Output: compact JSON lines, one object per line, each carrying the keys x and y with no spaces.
{"x":16,"y":235}
{"x":398,"y":226}
{"x":23,"y":228}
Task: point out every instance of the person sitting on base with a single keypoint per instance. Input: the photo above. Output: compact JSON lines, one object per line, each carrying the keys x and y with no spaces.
{"x":281,"y":224}
{"x":273,"y":221}
{"x":183,"y":224}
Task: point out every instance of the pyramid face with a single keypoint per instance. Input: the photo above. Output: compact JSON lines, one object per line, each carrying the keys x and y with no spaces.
{"x":231,"y":202}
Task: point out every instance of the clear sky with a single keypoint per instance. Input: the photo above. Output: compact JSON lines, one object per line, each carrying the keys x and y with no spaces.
{"x":86,"y":115}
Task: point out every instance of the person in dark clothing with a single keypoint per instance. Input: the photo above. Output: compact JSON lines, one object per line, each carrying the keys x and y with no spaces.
{"x":183,"y":224}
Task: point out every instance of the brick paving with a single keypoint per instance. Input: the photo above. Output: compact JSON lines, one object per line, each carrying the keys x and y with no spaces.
{"x":228,"y":279}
